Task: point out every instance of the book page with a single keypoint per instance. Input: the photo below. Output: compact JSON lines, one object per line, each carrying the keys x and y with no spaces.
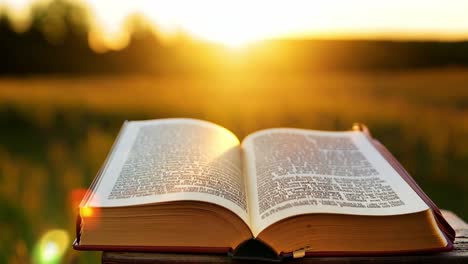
{"x":172,"y":160}
{"x":295,"y":171}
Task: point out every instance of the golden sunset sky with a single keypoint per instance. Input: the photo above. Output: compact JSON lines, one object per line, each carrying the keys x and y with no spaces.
{"x":239,"y":22}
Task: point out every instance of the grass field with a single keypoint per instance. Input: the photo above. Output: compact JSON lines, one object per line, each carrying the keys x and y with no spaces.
{"x":56,"y":131}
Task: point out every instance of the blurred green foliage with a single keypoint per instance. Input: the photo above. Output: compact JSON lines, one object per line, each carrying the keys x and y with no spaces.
{"x":55,"y":132}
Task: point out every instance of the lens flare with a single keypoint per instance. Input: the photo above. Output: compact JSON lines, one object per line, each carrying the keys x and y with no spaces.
{"x":51,"y":247}
{"x":50,"y":251}
{"x":86,"y":211}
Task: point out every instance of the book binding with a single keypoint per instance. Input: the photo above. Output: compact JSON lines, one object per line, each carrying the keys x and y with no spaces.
{"x":254,"y":249}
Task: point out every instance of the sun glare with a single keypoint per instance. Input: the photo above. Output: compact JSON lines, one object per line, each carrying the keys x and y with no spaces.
{"x":232,"y":23}
{"x":236,"y":23}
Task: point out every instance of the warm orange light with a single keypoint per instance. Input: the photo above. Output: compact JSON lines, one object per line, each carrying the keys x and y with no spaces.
{"x":86,"y":211}
{"x":76,"y":196}
{"x":235,"y":23}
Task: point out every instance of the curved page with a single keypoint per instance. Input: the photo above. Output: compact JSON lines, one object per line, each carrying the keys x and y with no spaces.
{"x":173,"y":160}
{"x":294,"y":171}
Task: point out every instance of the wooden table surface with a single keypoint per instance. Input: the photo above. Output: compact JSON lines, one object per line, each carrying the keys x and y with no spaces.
{"x":458,"y":255}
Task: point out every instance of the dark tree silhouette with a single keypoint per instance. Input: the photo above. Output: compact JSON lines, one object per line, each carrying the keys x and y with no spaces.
{"x":57,"y":43}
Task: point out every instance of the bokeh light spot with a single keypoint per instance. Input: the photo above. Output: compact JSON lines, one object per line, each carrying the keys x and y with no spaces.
{"x":50,"y":251}
{"x":51,"y":247}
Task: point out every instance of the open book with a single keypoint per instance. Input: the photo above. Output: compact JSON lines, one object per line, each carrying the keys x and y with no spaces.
{"x":186,"y":185}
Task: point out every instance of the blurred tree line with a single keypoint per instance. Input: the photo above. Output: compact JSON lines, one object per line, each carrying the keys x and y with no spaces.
{"x":57,"y":42}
